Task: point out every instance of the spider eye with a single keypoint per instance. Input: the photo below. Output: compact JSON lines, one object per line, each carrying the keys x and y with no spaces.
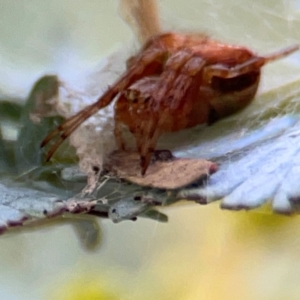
{"x":235,"y":84}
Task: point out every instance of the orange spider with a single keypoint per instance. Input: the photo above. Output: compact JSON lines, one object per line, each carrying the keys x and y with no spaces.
{"x":176,"y":81}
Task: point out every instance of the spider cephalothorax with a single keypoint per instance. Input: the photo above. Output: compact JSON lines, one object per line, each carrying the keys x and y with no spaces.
{"x":176,"y":81}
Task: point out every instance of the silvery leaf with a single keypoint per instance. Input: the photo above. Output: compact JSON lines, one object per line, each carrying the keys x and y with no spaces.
{"x":258,"y":155}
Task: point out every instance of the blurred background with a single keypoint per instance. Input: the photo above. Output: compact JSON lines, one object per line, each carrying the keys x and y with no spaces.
{"x":202,"y":252}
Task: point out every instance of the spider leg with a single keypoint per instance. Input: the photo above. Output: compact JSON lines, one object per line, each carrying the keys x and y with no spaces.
{"x":251,"y":65}
{"x":170,"y":100}
{"x":152,"y":131}
{"x":144,"y":66}
{"x":118,"y":135}
{"x":139,"y":139}
{"x":190,"y":73}
{"x":149,"y":131}
{"x":171,"y":70}
{"x":281,"y":53}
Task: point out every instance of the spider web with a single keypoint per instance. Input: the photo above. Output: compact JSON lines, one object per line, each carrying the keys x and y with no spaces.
{"x":256,"y":151}
{"x":260,"y":250}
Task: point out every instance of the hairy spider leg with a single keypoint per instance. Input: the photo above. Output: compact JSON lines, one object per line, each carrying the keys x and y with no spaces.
{"x":118,"y":134}
{"x":250,"y":65}
{"x":281,"y":53}
{"x":168,"y":98}
{"x":148,"y":131}
{"x":140,"y":69}
{"x":132,"y":108}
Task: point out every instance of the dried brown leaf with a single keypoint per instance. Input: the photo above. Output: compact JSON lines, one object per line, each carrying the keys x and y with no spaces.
{"x":168,"y":174}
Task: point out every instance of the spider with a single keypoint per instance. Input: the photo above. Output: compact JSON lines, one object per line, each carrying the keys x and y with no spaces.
{"x":176,"y":81}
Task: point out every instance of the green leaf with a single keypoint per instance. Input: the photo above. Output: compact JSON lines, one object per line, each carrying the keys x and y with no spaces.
{"x":10,"y":111}
{"x":28,"y":153}
{"x":5,"y":166}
